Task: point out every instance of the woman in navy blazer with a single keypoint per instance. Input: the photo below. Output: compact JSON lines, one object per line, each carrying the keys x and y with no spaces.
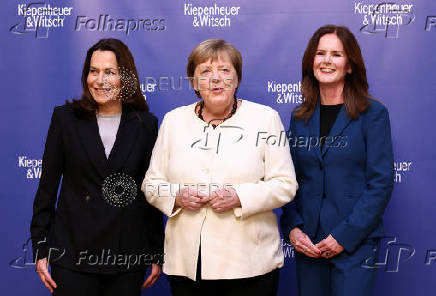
{"x":340,"y":142}
{"x":100,"y":234}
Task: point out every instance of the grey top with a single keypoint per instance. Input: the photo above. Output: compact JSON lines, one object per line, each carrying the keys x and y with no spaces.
{"x":108,"y":128}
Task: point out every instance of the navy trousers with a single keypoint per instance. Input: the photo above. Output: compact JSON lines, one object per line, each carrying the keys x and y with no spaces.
{"x":342,"y":275}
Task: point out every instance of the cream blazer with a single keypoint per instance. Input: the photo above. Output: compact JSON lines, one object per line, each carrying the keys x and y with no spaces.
{"x":250,"y":152}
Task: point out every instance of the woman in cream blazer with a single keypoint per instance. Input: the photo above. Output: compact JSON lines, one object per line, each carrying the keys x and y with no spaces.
{"x":238,"y":169}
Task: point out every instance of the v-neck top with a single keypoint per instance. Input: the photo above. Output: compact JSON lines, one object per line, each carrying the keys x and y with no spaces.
{"x":327,"y":117}
{"x":108,"y":127}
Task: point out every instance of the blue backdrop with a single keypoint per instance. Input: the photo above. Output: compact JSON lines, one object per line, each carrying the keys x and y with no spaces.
{"x":41,"y":60}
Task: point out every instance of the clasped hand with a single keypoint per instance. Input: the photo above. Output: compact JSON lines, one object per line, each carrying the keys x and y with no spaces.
{"x":327,"y":248}
{"x":220,"y":200}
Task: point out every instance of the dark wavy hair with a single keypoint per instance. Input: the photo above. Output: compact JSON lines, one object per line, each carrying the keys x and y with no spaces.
{"x":356,"y":84}
{"x":87,"y":106}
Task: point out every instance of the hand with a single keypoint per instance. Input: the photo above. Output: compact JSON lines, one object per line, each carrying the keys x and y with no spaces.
{"x":224,"y":200}
{"x":156,"y":270}
{"x":303,"y":244}
{"x":190,"y":199}
{"x":44,"y":275}
{"x":329,"y":247}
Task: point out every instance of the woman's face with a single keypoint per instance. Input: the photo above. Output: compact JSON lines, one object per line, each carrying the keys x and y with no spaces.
{"x":330,"y":64}
{"x":103,"y":77}
{"x":216,"y":80}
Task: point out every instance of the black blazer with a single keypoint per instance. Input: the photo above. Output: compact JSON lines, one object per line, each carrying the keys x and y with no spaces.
{"x":89,"y":230}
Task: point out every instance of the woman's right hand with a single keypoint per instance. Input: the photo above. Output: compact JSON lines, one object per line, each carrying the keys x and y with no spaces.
{"x":44,"y":275}
{"x":191,"y":199}
{"x":303,"y":244}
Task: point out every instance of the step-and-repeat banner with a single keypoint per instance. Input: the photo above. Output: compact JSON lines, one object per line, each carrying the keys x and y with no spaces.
{"x":44,"y":45}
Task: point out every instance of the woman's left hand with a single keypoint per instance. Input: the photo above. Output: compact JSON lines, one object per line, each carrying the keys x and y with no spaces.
{"x":224,"y":200}
{"x":329,"y":247}
{"x":156,"y":270}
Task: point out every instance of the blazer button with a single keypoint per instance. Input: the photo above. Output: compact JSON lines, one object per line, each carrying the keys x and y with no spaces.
{"x":323,"y":195}
{"x":320,"y":166}
{"x":87,"y":198}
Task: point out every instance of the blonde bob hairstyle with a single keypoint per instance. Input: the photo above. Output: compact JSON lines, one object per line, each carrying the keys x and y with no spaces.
{"x":211,"y":49}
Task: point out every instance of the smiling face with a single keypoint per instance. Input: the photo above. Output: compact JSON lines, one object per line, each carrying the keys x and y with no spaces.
{"x":330,"y":65}
{"x":216,"y":80}
{"x":103,"y":78}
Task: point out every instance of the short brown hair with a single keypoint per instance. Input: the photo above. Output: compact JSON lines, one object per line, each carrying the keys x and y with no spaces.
{"x":210,"y":49}
{"x":356,"y":84}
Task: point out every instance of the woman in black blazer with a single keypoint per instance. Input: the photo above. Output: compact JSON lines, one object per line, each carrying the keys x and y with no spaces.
{"x":102,"y":234}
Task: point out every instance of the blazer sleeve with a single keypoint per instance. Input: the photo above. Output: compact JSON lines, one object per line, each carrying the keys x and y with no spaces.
{"x":369,"y":209}
{"x":278,"y":186}
{"x":291,"y":217}
{"x":158,"y":191}
{"x":46,"y":195}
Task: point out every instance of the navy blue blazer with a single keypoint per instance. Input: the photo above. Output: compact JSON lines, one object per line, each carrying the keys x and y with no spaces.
{"x":344,"y":186}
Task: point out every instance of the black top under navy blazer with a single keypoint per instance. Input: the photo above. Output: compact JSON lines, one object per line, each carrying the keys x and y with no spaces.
{"x":83,"y":222}
{"x":345,"y":185}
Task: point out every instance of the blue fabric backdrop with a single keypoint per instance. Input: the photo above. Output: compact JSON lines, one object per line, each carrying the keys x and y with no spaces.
{"x":41,"y":68}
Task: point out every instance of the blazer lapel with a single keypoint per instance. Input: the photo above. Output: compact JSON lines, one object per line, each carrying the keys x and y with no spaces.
{"x":314,"y":131}
{"x":126,"y":136}
{"x":91,"y":141}
{"x":342,"y":121}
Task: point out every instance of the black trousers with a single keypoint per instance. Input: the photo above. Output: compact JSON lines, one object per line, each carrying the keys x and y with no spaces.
{"x":74,"y":283}
{"x":262,"y":285}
